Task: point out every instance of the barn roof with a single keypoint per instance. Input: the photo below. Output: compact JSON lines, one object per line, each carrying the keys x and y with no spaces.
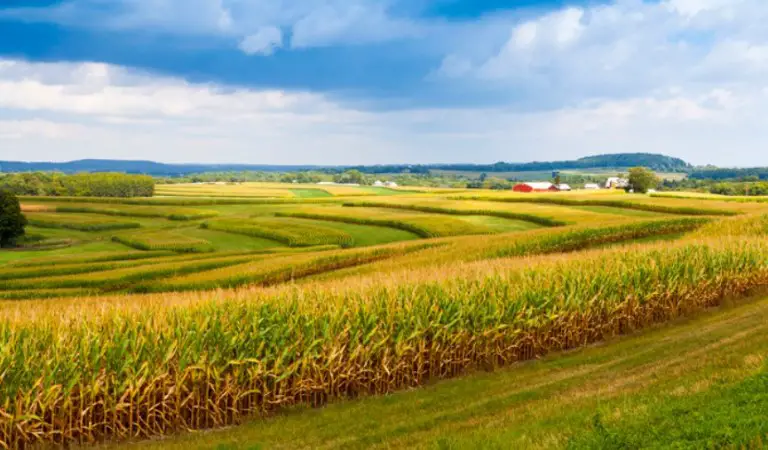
{"x":539,"y":185}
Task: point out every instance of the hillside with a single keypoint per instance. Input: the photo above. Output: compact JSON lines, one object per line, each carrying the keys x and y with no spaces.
{"x":659,"y":163}
{"x":656,"y":162}
{"x":144,"y":167}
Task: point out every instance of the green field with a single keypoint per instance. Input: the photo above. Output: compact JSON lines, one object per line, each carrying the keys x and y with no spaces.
{"x":308,"y":316}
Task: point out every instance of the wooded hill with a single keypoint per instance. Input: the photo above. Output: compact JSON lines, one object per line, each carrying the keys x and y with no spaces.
{"x":660,"y":163}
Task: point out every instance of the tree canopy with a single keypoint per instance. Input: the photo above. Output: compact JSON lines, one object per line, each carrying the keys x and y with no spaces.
{"x":79,"y":185}
{"x":641,"y":179}
{"x":12,"y":221}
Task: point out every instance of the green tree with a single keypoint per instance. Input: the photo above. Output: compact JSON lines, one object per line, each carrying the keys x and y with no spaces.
{"x":12,"y":221}
{"x":642,"y":179}
{"x":350,"y":177}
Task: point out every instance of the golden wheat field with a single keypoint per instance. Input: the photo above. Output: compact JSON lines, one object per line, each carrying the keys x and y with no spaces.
{"x":213,"y":305}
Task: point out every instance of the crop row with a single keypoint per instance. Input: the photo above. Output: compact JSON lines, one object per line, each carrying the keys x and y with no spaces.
{"x":178,"y":201}
{"x":81,"y":265}
{"x":539,"y":220}
{"x":124,"y":277}
{"x":80,"y":223}
{"x":164,"y":240}
{"x":580,"y":239}
{"x":624,"y":204}
{"x":542,"y":242}
{"x":139,"y":372}
{"x":44,"y":293}
{"x":132,"y":211}
{"x":722,"y":198}
{"x":86,"y":258}
{"x":426,"y":226}
{"x":294,"y":233}
{"x":278,"y":270}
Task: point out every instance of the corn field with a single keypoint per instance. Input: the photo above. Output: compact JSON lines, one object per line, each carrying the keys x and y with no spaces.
{"x":118,"y":373}
{"x":164,"y":240}
{"x":272,"y":308}
{"x":78,"y":222}
{"x":294,"y":233}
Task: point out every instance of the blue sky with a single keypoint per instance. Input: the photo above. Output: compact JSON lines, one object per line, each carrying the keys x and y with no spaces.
{"x":382,"y":81}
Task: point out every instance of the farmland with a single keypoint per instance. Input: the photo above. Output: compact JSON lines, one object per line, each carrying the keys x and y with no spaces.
{"x":212,"y":305}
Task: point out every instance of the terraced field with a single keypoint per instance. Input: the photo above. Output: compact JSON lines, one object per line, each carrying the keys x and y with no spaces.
{"x":291,"y":232}
{"x":212,"y":305}
{"x":421,"y":224}
{"x":163,"y":240}
{"x":270,"y":190}
{"x":81,"y":222}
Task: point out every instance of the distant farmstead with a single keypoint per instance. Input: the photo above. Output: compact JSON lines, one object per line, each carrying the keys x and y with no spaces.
{"x":535,"y":187}
{"x":616,"y":183}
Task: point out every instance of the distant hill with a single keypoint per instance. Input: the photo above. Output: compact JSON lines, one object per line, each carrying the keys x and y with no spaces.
{"x":143,"y":167}
{"x":656,"y":162}
{"x":659,"y":163}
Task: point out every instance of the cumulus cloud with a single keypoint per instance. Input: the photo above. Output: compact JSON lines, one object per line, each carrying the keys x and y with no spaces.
{"x":61,"y":111}
{"x":255,"y":24}
{"x":681,"y":77}
{"x":624,"y":49}
{"x":263,"y":42}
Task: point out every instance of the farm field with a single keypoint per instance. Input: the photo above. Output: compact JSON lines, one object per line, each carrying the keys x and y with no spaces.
{"x":271,"y":190}
{"x":217,"y":305}
{"x":708,"y":372}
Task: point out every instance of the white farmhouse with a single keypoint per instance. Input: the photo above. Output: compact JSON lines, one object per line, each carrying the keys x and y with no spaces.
{"x":616,"y":183}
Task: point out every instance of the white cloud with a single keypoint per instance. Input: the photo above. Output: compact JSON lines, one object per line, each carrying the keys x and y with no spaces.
{"x":36,"y":128}
{"x":682,"y":77}
{"x":695,"y":7}
{"x":350,"y":22}
{"x":61,"y":111}
{"x":626,"y":49}
{"x":263,"y":42}
{"x":253,"y":24}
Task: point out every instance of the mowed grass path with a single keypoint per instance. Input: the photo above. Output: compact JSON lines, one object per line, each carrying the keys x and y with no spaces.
{"x":708,"y":373}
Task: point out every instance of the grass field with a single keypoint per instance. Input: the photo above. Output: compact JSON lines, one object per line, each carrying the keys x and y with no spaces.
{"x":447,"y":311}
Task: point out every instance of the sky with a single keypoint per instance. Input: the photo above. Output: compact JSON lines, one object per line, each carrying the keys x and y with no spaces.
{"x":383,"y":81}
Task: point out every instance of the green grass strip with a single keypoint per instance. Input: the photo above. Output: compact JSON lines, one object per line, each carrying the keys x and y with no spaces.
{"x":681,"y":210}
{"x":179,"y":201}
{"x":82,"y":226}
{"x":539,"y":220}
{"x":180,"y":215}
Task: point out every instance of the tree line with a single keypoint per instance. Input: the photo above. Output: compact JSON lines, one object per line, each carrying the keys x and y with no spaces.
{"x":746,"y":174}
{"x":79,"y":185}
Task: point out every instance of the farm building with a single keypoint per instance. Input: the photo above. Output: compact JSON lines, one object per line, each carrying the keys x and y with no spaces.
{"x":563,"y":187}
{"x":390,"y":184}
{"x":592,"y":186}
{"x":331,"y":183}
{"x":378,"y":183}
{"x":616,"y":183}
{"x":534,"y":187}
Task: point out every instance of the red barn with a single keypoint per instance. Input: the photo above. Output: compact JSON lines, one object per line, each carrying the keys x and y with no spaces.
{"x":535,"y":187}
